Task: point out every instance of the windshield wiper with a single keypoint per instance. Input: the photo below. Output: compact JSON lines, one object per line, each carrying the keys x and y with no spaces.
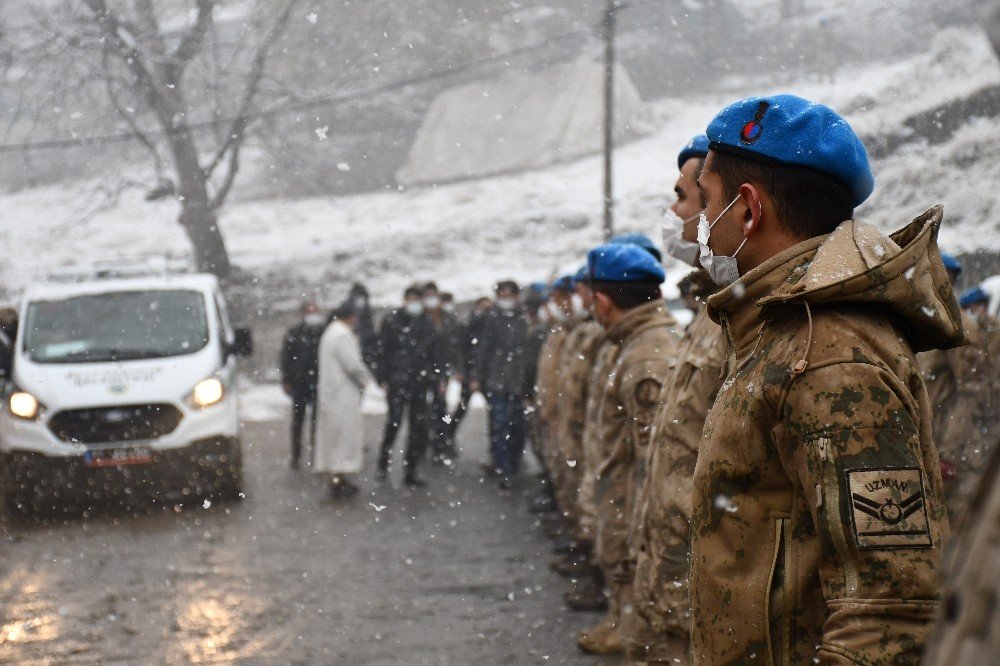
{"x":102,"y":355}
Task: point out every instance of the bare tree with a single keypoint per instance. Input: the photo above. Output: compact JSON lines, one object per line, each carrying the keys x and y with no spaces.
{"x":141,"y":54}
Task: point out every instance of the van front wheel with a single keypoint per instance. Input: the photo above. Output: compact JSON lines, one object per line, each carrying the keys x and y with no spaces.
{"x":231,"y":473}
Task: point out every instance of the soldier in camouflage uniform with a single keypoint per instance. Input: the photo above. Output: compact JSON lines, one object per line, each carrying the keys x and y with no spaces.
{"x":547,"y":372}
{"x":576,"y":363}
{"x":981,"y":383}
{"x":968,"y":629}
{"x":631,"y":371}
{"x":817,"y":516}
{"x":657,"y":625}
{"x":957,"y":384}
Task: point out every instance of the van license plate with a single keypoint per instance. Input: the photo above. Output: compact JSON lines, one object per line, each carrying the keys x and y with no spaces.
{"x":117,"y":457}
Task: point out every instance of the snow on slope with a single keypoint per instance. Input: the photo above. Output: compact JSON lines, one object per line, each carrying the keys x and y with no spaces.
{"x":533,"y":225}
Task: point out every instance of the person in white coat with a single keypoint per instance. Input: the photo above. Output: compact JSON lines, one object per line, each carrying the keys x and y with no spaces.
{"x":342,"y":377}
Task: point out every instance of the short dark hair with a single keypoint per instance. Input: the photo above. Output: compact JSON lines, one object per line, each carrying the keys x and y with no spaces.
{"x":808,"y":202}
{"x":685,"y":285}
{"x":628,"y":295}
{"x":413,"y":290}
{"x":431,"y":286}
{"x":447,"y":297}
{"x":507,"y":285}
{"x":345,"y":310}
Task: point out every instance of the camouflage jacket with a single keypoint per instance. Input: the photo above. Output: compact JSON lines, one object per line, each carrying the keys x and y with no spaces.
{"x":547,"y":375}
{"x":642,"y":350}
{"x":661,"y":542}
{"x":576,"y":363}
{"x":817,"y":517}
{"x":957,"y":380}
{"x":968,"y":629}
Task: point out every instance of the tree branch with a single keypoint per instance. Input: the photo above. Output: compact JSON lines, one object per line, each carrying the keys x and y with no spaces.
{"x":190,"y":43}
{"x":237,"y":131}
{"x":137,"y":131}
{"x":150,"y":27}
{"x":117,"y":36}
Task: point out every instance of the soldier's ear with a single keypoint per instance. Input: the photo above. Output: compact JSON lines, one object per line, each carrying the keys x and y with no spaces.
{"x":753,"y":214}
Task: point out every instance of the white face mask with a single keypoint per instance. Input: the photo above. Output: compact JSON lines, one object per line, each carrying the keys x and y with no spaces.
{"x":360,"y":303}
{"x":543,"y":314}
{"x":313,"y":319}
{"x":673,"y":238}
{"x":414,"y":308}
{"x":432,"y":302}
{"x":506,"y":303}
{"x":579,"y":309}
{"x":449,"y":308}
{"x":723,"y":270}
{"x":555,"y":313}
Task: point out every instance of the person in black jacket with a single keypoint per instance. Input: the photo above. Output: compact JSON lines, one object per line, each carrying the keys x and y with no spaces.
{"x":299,"y":369}
{"x":447,"y":357}
{"x":405,"y":370}
{"x":500,"y":370}
{"x":469,"y":336}
{"x":360,"y":303}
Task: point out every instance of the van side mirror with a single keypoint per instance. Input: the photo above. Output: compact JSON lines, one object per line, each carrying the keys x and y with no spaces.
{"x":242,"y":342}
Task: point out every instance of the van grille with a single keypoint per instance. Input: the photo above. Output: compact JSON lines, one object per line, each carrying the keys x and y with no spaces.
{"x":115,"y":424}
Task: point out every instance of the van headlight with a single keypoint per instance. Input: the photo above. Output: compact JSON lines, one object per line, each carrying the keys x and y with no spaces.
{"x":207,"y":392}
{"x":24,"y":405}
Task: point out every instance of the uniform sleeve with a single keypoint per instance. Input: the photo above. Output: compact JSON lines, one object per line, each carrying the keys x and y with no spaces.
{"x":848,"y":440}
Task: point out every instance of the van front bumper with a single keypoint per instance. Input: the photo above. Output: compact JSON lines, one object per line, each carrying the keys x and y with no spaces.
{"x":38,"y":481}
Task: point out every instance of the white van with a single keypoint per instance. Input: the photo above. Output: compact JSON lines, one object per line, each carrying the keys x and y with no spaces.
{"x":122,"y":386}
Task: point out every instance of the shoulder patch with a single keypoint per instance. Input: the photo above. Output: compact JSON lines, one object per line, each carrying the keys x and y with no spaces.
{"x":647,"y":393}
{"x":888,"y":508}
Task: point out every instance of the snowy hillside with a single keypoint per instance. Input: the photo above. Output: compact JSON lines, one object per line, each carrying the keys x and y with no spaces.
{"x":532,"y":225}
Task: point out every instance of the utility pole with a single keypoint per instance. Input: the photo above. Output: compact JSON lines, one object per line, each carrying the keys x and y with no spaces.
{"x":609,"y":102}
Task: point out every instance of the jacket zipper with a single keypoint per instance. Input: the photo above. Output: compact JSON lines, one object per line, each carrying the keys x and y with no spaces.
{"x":828,"y":503}
{"x":776,"y":602}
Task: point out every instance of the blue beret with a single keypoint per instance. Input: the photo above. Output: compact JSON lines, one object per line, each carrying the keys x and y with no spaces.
{"x":785,"y":129}
{"x":951,"y":263}
{"x":696,"y":147}
{"x":623,"y":262}
{"x":642,"y":240}
{"x":974,"y":295}
{"x":538,"y":288}
{"x":564,"y":283}
{"x":582,"y":274}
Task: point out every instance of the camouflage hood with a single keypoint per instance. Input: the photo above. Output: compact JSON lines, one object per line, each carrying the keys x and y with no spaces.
{"x":858,"y":263}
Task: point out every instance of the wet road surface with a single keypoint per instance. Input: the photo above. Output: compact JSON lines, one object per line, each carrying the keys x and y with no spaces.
{"x":456,"y":573}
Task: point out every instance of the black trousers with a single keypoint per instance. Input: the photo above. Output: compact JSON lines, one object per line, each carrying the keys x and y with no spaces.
{"x":300,"y":405}
{"x":411,"y":399}
{"x":463,"y":407}
{"x":441,"y":431}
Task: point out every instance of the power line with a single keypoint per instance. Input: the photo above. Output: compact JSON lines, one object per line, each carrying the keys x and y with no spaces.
{"x":323,"y":100}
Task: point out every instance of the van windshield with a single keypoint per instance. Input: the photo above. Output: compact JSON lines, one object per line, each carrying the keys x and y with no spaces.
{"x":116,"y":326}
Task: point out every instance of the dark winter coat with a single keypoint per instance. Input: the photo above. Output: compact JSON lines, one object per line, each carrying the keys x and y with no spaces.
{"x":471,"y":336}
{"x":406,"y":350}
{"x":449,"y":338}
{"x":501,"y":361}
{"x":299,"y":364}
{"x":367,"y":338}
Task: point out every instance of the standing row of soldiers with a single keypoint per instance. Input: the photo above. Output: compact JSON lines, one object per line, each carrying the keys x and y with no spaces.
{"x":765,"y":485}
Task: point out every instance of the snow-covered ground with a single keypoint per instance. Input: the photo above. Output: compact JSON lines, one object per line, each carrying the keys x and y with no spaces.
{"x":538,"y":224}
